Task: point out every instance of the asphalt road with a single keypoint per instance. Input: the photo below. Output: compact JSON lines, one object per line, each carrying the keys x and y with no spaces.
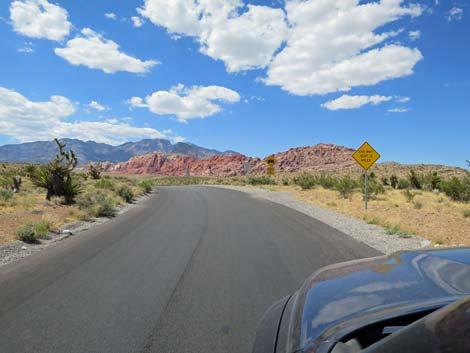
{"x":191,"y":269}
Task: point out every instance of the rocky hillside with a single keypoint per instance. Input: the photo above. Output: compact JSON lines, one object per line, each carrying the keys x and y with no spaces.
{"x":314,"y":158}
{"x":90,"y":151}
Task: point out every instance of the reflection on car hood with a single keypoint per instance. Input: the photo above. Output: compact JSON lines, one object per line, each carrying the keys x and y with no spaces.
{"x":337,"y":295}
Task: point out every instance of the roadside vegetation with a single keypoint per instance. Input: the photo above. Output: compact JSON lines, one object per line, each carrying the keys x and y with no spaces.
{"x":431,"y":205}
{"x":35,"y":200}
{"x":38,"y":199}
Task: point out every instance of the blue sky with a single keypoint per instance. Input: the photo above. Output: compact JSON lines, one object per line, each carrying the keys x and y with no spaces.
{"x":256,"y":77}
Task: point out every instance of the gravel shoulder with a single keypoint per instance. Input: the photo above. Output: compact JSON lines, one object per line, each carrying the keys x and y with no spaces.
{"x":16,"y":250}
{"x":372,"y":235}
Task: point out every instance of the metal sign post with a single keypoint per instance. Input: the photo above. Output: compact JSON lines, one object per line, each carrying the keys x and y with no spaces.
{"x":366,"y":188}
{"x":366,"y":157}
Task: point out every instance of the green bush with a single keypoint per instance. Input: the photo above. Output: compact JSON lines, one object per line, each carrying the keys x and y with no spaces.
{"x":126,"y":193}
{"x":26,"y":233}
{"x":105,"y":183}
{"x":457,"y":189}
{"x":106,"y":208}
{"x":394,"y":181}
{"x":31,"y":232}
{"x":260,"y":180}
{"x":305,"y":181}
{"x":146,"y":185}
{"x":375,"y":188}
{"x":97,"y":204}
{"x":5,"y":195}
{"x":415,"y":180}
{"x":403,"y":184}
{"x":326,"y":181}
{"x":345,"y":186}
{"x":285,"y":181}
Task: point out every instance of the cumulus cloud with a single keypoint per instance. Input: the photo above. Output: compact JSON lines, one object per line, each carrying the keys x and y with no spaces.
{"x":242,"y":37}
{"x":454,"y":14}
{"x":137,"y":21}
{"x":187,"y":103}
{"x":97,"y":106}
{"x":398,"y":110}
{"x":110,"y":15}
{"x":92,"y":50}
{"x":330,"y":45}
{"x":27,"y":120}
{"x":354,"y":102}
{"x":414,"y":35}
{"x":333,"y":46}
{"x":39,"y":19}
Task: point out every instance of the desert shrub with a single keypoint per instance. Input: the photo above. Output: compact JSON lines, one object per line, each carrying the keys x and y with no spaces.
{"x":394,"y":181}
{"x":385,"y":181}
{"x":146,"y":185}
{"x":5,"y":195}
{"x":305,"y":181}
{"x":105,"y":208}
{"x":30,"y":232}
{"x":260,"y":180}
{"x":409,"y":196}
{"x":403,"y":184}
{"x":374,"y":188}
{"x":326,"y":181}
{"x":345,"y":186}
{"x":105,"y":183}
{"x":415,"y":180}
{"x":26,"y":233}
{"x":56,"y":176}
{"x":418,"y":205}
{"x":285,"y":181}
{"x":457,"y":189}
{"x":126,"y":193}
{"x":432,"y":181}
{"x":97,"y":204}
{"x":94,"y":171}
{"x":466,"y":213}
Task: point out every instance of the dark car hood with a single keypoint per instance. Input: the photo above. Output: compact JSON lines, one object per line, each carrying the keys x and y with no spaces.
{"x":340,"y":296}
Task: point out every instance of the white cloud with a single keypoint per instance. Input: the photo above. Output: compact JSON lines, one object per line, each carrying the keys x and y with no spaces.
{"x":177,"y":139}
{"x":454,"y":14}
{"x":26,"y":120}
{"x":414,"y":35}
{"x":97,"y":106}
{"x":92,"y":50}
{"x":137,"y":21}
{"x":27,"y":48}
{"x":167,"y":131}
{"x":354,"y":102}
{"x":39,"y":19}
{"x":110,"y":15}
{"x":402,"y":99}
{"x":398,"y":110}
{"x":242,"y":37}
{"x":187,"y":103}
{"x":333,"y":46}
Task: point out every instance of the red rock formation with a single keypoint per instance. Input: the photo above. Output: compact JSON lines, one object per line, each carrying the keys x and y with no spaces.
{"x":319,"y":157}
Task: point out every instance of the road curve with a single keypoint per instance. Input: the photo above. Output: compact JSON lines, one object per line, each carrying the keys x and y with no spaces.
{"x":190,"y":270}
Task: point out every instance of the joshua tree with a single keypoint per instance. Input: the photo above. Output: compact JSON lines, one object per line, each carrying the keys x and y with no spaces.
{"x":56,"y":176}
{"x":94,"y":171}
{"x":16,"y":184}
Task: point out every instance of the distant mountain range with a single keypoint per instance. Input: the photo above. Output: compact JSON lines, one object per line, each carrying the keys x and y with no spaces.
{"x":90,"y":151}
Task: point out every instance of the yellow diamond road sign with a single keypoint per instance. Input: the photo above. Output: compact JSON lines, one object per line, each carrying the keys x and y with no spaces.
{"x":366,"y":156}
{"x":270,"y":160}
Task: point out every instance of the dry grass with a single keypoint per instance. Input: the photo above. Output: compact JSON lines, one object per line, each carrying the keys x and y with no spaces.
{"x":30,"y":205}
{"x":432,"y":216}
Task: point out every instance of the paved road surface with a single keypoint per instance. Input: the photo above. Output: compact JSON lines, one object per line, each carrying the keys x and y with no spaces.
{"x":190,"y":270}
